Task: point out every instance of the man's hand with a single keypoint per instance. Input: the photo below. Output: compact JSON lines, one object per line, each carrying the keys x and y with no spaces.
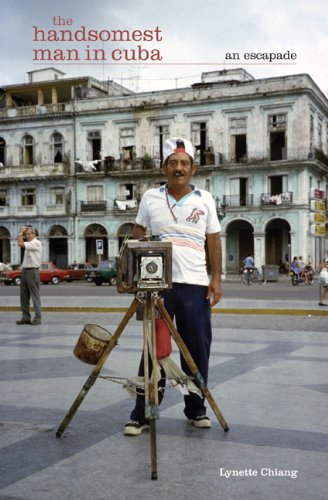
{"x":214,"y":292}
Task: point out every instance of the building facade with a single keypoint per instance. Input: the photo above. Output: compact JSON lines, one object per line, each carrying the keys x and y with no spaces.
{"x":78,"y":154}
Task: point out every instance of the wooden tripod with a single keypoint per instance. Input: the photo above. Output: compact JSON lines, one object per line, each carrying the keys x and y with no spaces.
{"x":151,"y":302}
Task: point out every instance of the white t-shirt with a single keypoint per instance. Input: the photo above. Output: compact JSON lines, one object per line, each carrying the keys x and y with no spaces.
{"x":32,"y":255}
{"x":196,"y":215}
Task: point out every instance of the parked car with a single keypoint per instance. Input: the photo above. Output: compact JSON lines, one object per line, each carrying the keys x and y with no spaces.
{"x":105,"y":272}
{"x":48,"y":274}
{"x":11,"y":277}
{"x":78,"y":271}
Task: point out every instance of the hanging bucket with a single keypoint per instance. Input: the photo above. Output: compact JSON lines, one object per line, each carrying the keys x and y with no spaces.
{"x":91,"y":344}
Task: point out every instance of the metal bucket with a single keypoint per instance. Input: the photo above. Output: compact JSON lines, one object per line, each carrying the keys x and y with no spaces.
{"x":91,"y":344}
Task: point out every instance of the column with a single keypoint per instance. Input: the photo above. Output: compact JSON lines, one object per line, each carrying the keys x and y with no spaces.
{"x":40,"y":97}
{"x":54,"y":96}
{"x":224,"y":255}
{"x":259,"y":250}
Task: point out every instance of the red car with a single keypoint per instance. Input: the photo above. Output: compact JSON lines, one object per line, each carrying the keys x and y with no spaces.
{"x":77,"y":271}
{"x":48,"y":274}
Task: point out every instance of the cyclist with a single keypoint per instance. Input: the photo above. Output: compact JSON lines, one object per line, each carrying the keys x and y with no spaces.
{"x":249,"y":262}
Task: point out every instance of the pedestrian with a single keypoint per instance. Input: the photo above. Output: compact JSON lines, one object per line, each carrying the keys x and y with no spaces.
{"x":185,"y":215}
{"x":323,"y":279}
{"x":30,"y":281}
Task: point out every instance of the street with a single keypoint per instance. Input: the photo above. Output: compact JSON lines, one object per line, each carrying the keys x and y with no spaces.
{"x":282,"y":289}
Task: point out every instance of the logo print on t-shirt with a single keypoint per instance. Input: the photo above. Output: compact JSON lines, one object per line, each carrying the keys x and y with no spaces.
{"x":195,"y":215}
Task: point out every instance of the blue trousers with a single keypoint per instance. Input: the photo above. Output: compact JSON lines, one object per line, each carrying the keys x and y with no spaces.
{"x":188,"y":306}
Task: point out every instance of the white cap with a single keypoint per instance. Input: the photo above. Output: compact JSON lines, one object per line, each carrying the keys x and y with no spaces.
{"x":177,"y":145}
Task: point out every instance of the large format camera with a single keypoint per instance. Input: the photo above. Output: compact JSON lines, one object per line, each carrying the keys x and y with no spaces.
{"x":144,"y":265}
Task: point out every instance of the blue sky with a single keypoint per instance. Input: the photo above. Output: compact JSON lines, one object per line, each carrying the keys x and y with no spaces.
{"x":197,"y":35}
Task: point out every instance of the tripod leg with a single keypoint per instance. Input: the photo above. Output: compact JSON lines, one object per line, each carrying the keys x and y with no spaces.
{"x":153,"y":449}
{"x":95,"y":372}
{"x":151,"y":385}
{"x":192,"y":365}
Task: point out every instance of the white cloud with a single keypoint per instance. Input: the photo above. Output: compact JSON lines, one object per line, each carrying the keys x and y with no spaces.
{"x":193,"y":32}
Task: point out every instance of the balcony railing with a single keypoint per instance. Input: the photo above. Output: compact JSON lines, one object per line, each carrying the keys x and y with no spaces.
{"x":238,"y":200}
{"x":110,"y":164}
{"x":289,"y":154}
{"x":33,"y":170}
{"x":55,"y":209}
{"x":27,"y":210}
{"x":285,"y":198}
{"x":41,"y":109}
{"x":93,"y":206}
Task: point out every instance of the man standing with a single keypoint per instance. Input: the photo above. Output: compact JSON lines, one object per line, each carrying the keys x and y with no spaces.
{"x":30,"y":281}
{"x":185,"y":215}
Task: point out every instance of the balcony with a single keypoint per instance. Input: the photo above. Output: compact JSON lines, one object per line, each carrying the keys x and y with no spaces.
{"x":23,"y":171}
{"x":258,"y":158}
{"x":22,"y":111}
{"x":55,"y":209}
{"x":238,"y":200}
{"x":283,"y":199}
{"x":27,"y":210}
{"x":93,"y":206}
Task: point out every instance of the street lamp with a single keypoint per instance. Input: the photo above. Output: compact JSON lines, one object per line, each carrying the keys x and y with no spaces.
{"x":221,"y":208}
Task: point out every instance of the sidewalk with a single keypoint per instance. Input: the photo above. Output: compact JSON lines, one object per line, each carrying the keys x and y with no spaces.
{"x":268,"y":375}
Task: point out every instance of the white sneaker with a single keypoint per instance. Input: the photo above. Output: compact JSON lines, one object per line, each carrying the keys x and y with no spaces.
{"x":201,"y":422}
{"x":134,"y":428}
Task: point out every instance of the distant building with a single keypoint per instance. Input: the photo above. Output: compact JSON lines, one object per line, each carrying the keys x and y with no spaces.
{"x":77,"y":155}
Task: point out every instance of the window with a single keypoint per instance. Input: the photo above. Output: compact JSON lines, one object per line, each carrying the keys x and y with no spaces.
{"x":161,"y":133}
{"x":277,"y":146}
{"x":277,"y":129}
{"x":95,"y":193}
{"x":278,"y":121}
{"x":238,"y":138}
{"x":239,"y":192}
{"x":3,"y":197}
{"x":57,"y":148}
{"x":57,"y":196}
{"x":2,"y":151}
{"x":278,"y":184}
{"x":199,"y":140}
{"x":127,"y":191}
{"x":127,"y":144}
{"x":28,"y":197}
{"x":28,"y":150}
{"x":311,"y":133}
{"x":94,"y":145}
{"x":320,"y":136}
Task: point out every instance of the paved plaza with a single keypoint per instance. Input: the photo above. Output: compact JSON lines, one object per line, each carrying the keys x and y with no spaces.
{"x":268,"y":375}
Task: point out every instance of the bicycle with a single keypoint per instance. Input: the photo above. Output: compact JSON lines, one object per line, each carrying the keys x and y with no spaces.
{"x":250,"y":275}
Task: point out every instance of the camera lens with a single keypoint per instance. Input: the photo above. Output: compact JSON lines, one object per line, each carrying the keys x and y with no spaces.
{"x":151,"y":267}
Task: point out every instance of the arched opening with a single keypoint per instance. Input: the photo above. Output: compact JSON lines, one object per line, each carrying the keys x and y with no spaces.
{"x":124,"y":231}
{"x":277,"y":241}
{"x":92,"y":233}
{"x":58,"y":247}
{"x":5,"y":245}
{"x":239,"y":243}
